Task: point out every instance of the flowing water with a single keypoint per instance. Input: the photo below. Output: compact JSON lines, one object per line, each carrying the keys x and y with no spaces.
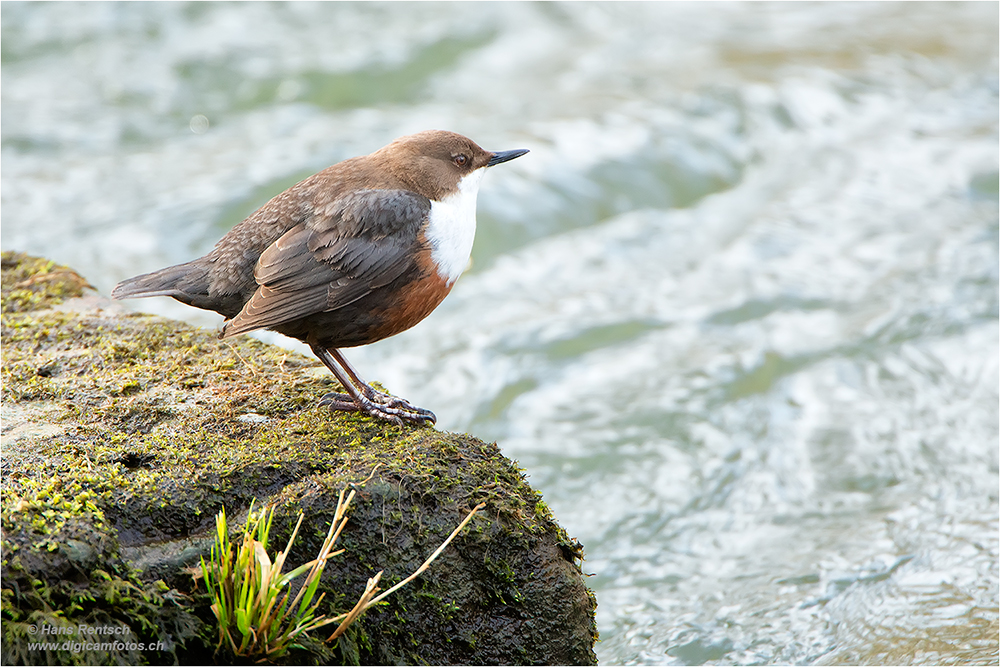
{"x":736,"y":313}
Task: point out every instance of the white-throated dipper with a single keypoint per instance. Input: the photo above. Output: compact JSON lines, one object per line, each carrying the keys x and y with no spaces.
{"x":359,"y":252}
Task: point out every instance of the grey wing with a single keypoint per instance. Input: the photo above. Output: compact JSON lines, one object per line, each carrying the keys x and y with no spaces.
{"x":364,"y":242}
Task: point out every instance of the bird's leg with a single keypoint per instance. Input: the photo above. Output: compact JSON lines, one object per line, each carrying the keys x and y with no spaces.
{"x":380,"y":397}
{"x":361,"y":397}
{"x":370,"y":392}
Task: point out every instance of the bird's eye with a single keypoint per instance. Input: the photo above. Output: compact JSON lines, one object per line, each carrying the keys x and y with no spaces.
{"x":460,"y":160}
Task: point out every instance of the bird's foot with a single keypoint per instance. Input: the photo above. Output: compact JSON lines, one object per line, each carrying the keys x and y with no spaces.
{"x":342,"y":402}
{"x":381,"y":405}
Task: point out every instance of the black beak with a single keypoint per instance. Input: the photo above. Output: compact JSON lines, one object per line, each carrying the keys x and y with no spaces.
{"x":504,"y":156}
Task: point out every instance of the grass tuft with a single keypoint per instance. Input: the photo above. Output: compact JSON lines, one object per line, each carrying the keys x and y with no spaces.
{"x":250,"y":593}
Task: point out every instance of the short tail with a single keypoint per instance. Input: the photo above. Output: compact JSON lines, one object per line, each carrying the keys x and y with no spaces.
{"x":183,"y":282}
{"x":188,"y":283}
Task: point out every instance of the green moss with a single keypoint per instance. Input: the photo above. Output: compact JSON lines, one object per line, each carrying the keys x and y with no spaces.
{"x":62,"y":570}
{"x":30,"y":283}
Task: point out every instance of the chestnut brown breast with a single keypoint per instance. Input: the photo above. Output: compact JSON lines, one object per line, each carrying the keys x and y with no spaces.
{"x":413,"y":301}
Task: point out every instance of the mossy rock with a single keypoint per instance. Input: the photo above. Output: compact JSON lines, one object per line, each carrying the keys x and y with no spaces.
{"x":124,"y":435}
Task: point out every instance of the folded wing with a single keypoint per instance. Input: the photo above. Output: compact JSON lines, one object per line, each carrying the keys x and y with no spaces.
{"x":360,"y":242}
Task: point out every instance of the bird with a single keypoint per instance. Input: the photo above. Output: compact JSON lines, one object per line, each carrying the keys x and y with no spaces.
{"x":360,"y":251}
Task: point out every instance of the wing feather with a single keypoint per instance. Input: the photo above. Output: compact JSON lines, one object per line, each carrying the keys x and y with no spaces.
{"x":366,"y":241}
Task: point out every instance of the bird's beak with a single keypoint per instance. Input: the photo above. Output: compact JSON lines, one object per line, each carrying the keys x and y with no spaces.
{"x":504,"y":156}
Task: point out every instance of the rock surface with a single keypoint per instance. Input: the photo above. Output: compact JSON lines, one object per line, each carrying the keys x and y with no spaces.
{"x":124,"y":434}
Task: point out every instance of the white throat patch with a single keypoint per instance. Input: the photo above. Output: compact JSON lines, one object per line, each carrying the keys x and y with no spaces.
{"x":452,"y":227}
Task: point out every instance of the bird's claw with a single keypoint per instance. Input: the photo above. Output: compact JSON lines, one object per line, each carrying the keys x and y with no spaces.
{"x":337,"y":402}
{"x":381,"y":405}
